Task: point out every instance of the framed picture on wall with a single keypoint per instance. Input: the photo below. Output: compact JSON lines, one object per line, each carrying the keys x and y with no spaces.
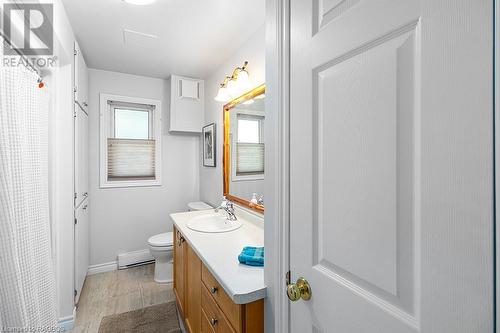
{"x":209,"y":147}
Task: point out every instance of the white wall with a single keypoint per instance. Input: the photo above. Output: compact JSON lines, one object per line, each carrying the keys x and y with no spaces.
{"x":253,"y":51}
{"x":122,"y":219}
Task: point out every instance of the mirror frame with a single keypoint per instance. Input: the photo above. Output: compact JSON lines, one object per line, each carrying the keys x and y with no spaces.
{"x":226,"y":162}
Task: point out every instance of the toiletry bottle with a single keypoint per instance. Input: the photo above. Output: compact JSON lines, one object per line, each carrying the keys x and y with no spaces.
{"x":254,"y":199}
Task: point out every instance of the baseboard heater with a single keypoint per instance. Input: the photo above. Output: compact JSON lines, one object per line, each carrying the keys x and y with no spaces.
{"x":134,"y":258}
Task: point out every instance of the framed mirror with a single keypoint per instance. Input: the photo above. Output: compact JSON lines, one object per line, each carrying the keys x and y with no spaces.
{"x":244,"y":147}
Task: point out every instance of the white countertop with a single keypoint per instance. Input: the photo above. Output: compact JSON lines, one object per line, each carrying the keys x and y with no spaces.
{"x":219,"y":252}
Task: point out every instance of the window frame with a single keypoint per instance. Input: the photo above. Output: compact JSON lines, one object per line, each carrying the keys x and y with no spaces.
{"x":106,"y":130}
{"x":233,"y":137}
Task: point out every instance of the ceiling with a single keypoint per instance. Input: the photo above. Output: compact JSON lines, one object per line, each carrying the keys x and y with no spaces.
{"x":193,"y":37}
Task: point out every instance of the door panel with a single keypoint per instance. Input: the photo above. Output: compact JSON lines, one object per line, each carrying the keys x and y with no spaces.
{"x":82,"y":246}
{"x":372,"y":165}
{"x":193,"y":292}
{"x":362,"y":154}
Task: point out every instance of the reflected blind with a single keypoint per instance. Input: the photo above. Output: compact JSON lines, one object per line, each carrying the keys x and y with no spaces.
{"x":131,"y":158}
{"x":250,"y":158}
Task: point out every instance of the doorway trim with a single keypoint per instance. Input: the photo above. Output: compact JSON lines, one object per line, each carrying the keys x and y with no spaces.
{"x":276,"y":224}
{"x":496,"y":161}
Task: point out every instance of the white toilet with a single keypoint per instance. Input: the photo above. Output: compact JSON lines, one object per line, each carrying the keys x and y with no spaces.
{"x":198,"y":205}
{"x":161,"y":247}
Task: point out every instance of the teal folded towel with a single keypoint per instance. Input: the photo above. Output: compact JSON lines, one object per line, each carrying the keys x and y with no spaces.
{"x":252,"y":256}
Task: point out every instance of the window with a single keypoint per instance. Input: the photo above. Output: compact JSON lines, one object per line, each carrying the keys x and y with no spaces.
{"x":130,"y":141}
{"x":249,"y":147}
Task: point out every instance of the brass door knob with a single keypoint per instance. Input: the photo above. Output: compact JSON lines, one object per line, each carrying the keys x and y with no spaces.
{"x":298,"y":290}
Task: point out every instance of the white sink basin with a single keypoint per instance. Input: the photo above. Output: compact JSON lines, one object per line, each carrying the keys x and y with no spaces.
{"x":212,"y":223}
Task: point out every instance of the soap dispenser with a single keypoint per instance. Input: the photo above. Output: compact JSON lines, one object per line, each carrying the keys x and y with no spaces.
{"x":254,"y":199}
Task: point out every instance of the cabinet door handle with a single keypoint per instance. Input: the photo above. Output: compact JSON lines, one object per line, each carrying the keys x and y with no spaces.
{"x":213,"y":290}
{"x":180,"y":240}
{"x":213,"y":321}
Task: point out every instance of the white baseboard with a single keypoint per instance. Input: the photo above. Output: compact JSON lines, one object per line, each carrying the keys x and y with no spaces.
{"x":101,"y":268}
{"x":67,"y":323}
{"x":133,"y":258}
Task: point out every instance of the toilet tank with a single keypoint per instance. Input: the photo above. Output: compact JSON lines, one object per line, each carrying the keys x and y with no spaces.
{"x":198,"y":205}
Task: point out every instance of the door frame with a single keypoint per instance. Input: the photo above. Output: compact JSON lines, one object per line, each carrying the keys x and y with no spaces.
{"x":276,"y":226}
{"x":496,"y":159}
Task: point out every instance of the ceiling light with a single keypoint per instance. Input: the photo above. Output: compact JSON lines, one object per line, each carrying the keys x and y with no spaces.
{"x":139,"y":2}
{"x":234,"y":85}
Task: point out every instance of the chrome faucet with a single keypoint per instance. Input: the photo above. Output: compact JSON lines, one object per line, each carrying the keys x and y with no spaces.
{"x":228,"y":207}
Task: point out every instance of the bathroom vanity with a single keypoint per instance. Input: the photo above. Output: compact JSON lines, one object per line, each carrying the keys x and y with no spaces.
{"x":214,"y":292}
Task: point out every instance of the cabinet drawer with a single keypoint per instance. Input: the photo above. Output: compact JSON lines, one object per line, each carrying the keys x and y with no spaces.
{"x":206,"y":326}
{"x":230,"y":309}
{"x":212,"y":315}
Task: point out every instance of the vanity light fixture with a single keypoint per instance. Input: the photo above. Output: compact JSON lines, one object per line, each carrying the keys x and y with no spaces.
{"x":139,"y":2}
{"x":234,"y":85}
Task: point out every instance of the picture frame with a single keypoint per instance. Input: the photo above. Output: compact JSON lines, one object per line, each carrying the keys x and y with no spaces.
{"x":209,"y":140}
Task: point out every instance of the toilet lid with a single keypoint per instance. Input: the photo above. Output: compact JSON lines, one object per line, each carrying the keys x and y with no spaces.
{"x":199,"y":205}
{"x":166,"y":239}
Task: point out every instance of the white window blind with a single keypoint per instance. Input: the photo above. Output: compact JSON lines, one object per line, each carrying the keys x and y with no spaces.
{"x":131,"y":158}
{"x":250,"y":158}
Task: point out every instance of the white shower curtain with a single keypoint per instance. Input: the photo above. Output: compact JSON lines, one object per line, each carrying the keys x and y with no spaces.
{"x":27,"y":279}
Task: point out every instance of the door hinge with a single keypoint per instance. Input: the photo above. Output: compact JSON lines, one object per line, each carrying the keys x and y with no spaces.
{"x":287,"y":278}
{"x":75,"y":292}
{"x":75,"y":89}
{"x":76,"y":221}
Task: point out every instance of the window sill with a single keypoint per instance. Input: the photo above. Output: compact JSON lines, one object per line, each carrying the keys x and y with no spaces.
{"x":130,"y":183}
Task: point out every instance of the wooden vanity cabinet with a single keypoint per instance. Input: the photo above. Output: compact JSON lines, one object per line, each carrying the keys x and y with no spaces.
{"x":204,"y":305}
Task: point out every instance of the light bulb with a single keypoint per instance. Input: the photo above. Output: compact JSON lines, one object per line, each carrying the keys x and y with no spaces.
{"x":243,"y":80}
{"x":232,"y":88}
{"x":222,"y":95}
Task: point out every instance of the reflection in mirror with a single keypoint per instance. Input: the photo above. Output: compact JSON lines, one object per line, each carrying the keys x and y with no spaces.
{"x":244,"y":171}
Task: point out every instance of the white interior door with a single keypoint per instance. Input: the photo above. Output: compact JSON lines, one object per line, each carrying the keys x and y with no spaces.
{"x":391,"y":165}
{"x":82,"y":246}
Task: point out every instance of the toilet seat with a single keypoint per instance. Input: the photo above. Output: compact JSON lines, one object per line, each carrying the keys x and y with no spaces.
{"x":162,"y":240}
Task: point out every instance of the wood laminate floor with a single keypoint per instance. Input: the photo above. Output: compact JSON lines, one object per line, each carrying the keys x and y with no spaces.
{"x":120,"y":291}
